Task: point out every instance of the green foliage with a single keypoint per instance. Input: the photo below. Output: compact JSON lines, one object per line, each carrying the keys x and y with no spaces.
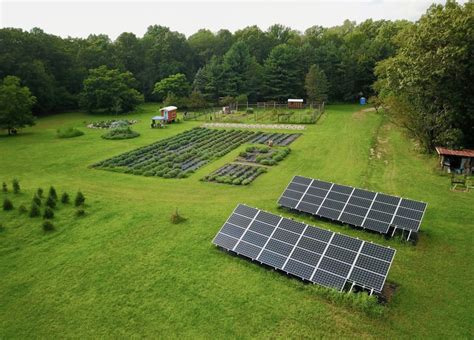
{"x":316,"y":85}
{"x":22,"y":209}
{"x":65,"y":198}
{"x":80,"y":212}
{"x":79,"y":200}
{"x":16,"y":103}
{"x":48,"y":226}
{"x":4,"y":187}
{"x":48,"y":213}
{"x":424,"y":84}
{"x":39,"y":192}
{"x":51,"y":202}
{"x":69,"y":132}
{"x":37,"y":199}
{"x":34,"y":210}
{"x":120,"y":133}
{"x":16,"y":186}
{"x":52,"y":193}
{"x":196,"y":100}
{"x":249,"y":110}
{"x":109,"y":90}
{"x":176,"y":84}
{"x":7,"y":204}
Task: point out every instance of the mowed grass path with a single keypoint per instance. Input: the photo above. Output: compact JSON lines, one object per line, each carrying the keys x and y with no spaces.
{"x":125,"y":270}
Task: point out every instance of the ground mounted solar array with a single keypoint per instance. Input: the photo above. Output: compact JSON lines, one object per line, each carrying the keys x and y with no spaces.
{"x":362,"y":208}
{"x":310,"y":253}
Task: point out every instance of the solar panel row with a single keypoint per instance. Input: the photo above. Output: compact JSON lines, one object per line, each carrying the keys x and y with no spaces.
{"x":358,"y":207}
{"x":305,"y":251}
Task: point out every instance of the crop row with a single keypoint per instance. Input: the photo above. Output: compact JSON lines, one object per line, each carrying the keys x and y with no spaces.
{"x":180,"y":155}
{"x":236,"y":174}
{"x":263,"y":155}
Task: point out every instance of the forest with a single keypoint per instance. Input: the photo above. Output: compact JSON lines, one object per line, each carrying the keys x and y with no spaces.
{"x":421,"y":71}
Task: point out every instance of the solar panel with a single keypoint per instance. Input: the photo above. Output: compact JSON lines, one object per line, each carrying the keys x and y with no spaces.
{"x":362,"y":208}
{"x":310,"y":253}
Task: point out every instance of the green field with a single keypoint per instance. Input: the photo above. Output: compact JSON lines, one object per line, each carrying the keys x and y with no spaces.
{"x":124,"y":270}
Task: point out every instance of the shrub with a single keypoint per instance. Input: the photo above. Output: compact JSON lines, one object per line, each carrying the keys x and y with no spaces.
{"x":246,"y":181}
{"x":48,"y":213}
{"x":120,"y":133}
{"x":80,"y":199}
{"x":250,"y":110}
{"x":50,"y":202}
{"x":52,"y":193}
{"x":80,"y":212}
{"x":39,"y":192}
{"x":16,"y":186}
{"x":48,"y":226}
{"x":37,"y":200}
{"x":4,"y":187}
{"x":7,"y":204}
{"x":65,"y":198}
{"x":176,"y":218}
{"x":68,"y":133}
{"x":278,"y":158}
{"x":34,"y":210}
{"x":237,"y":181}
{"x":243,"y":154}
{"x":22,"y":209}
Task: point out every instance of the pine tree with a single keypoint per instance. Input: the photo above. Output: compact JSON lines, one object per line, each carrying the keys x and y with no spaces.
{"x":48,"y":213}
{"x":65,"y":198}
{"x":52,"y":193}
{"x":16,"y":186}
{"x":316,"y":85}
{"x":34,"y":210}
{"x":7,"y":204}
{"x":80,"y":199}
{"x":51,"y":202}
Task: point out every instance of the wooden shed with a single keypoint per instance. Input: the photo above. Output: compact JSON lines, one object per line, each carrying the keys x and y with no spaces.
{"x":295,"y":103}
{"x":169,"y":113}
{"x":456,"y":161}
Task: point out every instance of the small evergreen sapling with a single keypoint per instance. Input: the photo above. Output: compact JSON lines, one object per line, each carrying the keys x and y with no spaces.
{"x":4,"y":187}
{"x":37,"y":200}
{"x":7,"y":204}
{"x":48,"y":226}
{"x":34,"y":210}
{"x":39,"y":192}
{"x":48,"y":213}
{"x":16,"y":186}
{"x":80,"y":199}
{"x":65,"y":198}
{"x":52,"y":193}
{"x":51,"y":202}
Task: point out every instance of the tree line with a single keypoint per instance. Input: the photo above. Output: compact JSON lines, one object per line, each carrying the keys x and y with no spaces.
{"x":421,"y":71}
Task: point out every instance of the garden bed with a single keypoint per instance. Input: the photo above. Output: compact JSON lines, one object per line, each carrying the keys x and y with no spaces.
{"x":235,"y":174}
{"x":111,"y":123}
{"x":263,"y":155}
{"x":180,"y":155}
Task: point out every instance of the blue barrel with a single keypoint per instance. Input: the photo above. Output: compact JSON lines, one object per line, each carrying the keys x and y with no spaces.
{"x":362,"y":101}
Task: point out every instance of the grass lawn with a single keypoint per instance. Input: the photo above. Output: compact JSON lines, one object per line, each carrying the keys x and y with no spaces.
{"x":124,"y":270}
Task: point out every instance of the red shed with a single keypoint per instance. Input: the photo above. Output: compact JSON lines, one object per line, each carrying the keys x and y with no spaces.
{"x":295,"y":103}
{"x":458,"y":161}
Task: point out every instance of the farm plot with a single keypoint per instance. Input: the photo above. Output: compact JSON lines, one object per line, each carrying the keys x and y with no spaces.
{"x":278,"y":139}
{"x":263,"y":155}
{"x":181,"y":155}
{"x":236,"y":174}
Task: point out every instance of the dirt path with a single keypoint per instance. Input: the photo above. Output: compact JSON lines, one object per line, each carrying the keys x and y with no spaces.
{"x":361,"y":113}
{"x":256,"y":126}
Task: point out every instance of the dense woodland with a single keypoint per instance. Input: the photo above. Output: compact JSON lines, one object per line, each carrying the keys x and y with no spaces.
{"x":422,"y":71}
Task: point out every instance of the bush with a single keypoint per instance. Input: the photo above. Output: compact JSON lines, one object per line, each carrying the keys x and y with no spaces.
{"x":80,"y":199}
{"x":16,"y":186}
{"x":48,"y":226}
{"x":120,"y":133}
{"x":39,"y":192}
{"x":50,"y":202}
{"x":176,"y":218}
{"x":7,"y":204}
{"x":65,"y":198}
{"x":4,"y":187}
{"x":68,"y":133}
{"x":250,"y":110}
{"x":22,"y":209}
{"x":48,"y":213}
{"x":34,"y":210}
{"x":37,"y":200}
{"x":246,"y":181}
{"x":52,"y":193}
{"x":80,"y":212}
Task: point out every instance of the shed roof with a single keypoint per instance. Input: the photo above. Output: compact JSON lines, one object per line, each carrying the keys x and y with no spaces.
{"x":158,"y":118}
{"x":295,"y":100}
{"x":169,"y":108}
{"x":450,"y":152}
